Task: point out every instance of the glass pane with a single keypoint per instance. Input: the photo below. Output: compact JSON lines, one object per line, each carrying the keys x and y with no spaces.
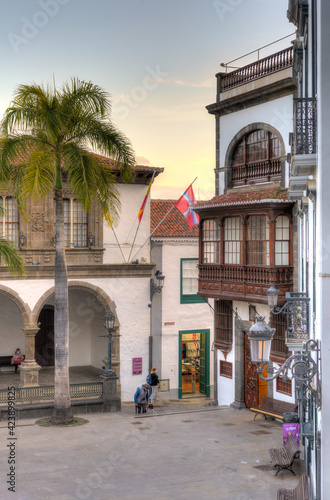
{"x":189,"y":277}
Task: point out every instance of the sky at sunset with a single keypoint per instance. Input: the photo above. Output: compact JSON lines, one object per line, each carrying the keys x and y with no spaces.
{"x":157,"y":59}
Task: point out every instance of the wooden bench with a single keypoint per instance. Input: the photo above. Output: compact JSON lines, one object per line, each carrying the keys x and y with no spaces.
{"x":274,"y":408}
{"x":300,"y":492}
{"x":283,"y":458}
{"x":6,"y":361}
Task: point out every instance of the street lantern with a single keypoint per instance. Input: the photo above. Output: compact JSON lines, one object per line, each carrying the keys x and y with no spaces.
{"x":272,"y":295}
{"x":260,"y":336}
{"x":109,"y":325}
{"x":109,"y":321}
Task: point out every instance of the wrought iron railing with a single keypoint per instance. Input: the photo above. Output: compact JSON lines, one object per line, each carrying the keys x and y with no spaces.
{"x":47,"y":393}
{"x":258,"y":69}
{"x":304,"y":126}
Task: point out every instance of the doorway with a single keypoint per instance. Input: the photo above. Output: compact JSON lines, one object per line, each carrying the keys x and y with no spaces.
{"x":254,"y":388}
{"x":194,"y":363}
{"x":44,"y":341}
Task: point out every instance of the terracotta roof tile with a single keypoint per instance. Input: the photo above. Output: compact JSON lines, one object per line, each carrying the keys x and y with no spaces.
{"x":175,"y":224}
{"x":246,"y":198}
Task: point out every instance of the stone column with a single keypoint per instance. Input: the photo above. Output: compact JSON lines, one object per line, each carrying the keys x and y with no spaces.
{"x":29,"y":369}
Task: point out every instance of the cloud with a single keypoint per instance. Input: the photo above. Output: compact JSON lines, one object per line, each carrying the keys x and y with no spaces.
{"x":205,"y":84}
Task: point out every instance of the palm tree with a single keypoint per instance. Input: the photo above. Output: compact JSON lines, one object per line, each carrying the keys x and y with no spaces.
{"x":48,"y":136}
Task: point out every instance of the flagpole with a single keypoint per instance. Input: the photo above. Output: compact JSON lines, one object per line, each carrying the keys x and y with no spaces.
{"x":170,"y":210}
{"x":143,"y":205}
{"x":118,"y":244}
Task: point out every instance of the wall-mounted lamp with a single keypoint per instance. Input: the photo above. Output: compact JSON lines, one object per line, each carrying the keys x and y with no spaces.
{"x":22,"y":240}
{"x":156,"y":288}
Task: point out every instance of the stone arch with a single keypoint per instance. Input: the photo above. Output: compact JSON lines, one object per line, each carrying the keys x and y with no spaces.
{"x":252,"y":127}
{"x":100,"y":294}
{"x":22,"y":306}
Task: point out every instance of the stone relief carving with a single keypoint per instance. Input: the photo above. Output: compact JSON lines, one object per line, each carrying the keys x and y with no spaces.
{"x":38,"y":222}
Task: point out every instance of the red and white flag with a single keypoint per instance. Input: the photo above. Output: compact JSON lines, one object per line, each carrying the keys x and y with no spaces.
{"x":185,"y":204}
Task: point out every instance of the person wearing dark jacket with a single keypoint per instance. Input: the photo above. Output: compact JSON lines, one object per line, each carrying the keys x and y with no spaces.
{"x":154,"y":385}
{"x":141,"y":397}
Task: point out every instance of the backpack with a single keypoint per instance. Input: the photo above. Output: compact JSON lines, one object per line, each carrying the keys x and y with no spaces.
{"x":148,"y":379}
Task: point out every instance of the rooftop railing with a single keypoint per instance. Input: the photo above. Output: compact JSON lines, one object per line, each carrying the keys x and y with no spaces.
{"x":258,"y":69}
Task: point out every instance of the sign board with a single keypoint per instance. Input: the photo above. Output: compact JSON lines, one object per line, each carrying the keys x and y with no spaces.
{"x":136,"y":366}
{"x":290,"y":430}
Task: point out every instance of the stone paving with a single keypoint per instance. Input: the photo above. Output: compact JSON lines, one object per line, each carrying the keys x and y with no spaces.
{"x":185,"y":450}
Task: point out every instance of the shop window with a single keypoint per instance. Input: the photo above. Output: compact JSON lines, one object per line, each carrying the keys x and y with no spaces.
{"x":211,"y":241}
{"x":189,"y":282}
{"x":233,"y":240}
{"x":258,"y":240}
{"x":223,"y":335}
{"x":9,"y":219}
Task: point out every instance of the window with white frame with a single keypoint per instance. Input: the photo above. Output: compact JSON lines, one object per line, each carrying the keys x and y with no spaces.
{"x":9,"y":227}
{"x":189,"y":281}
{"x":75,"y":224}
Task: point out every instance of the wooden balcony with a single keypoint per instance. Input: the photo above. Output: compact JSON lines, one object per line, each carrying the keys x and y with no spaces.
{"x":258,"y":69}
{"x":239,"y":282}
{"x":256,"y":172}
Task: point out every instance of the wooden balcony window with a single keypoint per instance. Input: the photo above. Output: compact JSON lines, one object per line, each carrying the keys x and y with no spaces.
{"x":279,"y":351}
{"x":256,"y":157}
{"x":223,"y":335}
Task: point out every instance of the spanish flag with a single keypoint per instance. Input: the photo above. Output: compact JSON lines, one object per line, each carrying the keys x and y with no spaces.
{"x":140,"y":214}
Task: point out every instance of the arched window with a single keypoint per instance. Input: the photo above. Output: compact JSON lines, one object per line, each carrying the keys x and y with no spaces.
{"x":256,"y":158}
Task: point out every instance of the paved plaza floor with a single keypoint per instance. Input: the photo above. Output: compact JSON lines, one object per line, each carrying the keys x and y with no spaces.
{"x":185,"y":450}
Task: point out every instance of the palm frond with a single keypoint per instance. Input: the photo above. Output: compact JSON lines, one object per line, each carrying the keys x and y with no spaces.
{"x":12,"y":258}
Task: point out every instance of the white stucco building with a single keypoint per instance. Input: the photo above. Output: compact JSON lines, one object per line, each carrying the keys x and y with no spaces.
{"x":181,"y":321}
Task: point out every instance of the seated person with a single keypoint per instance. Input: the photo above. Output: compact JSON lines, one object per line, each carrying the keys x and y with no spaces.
{"x":17,"y":359}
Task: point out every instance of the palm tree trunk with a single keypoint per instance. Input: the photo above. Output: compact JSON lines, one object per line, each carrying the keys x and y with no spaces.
{"x":62,"y":404}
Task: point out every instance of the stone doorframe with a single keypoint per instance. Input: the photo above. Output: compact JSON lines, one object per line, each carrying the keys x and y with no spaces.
{"x":241,"y":326}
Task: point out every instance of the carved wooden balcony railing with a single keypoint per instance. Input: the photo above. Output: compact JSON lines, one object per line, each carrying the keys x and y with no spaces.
{"x":304,"y":126}
{"x":258,"y":69}
{"x":243,"y":282}
{"x":269,"y":170}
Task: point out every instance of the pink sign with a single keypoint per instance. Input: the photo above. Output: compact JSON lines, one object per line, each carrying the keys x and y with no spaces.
{"x":136,"y":366}
{"x":290,"y":430}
